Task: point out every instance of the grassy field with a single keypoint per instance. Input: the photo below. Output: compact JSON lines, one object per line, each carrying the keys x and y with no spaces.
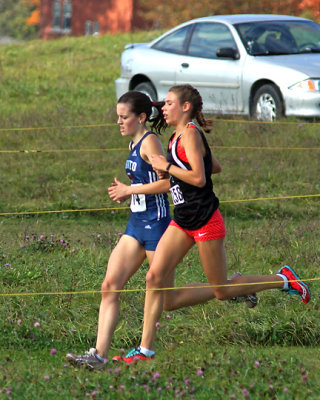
{"x":64,"y":90}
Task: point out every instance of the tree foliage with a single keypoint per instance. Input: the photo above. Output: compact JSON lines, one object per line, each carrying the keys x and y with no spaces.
{"x":34,"y":18}
{"x":311,"y":9}
{"x":168,"y":13}
{"x":13,"y":19}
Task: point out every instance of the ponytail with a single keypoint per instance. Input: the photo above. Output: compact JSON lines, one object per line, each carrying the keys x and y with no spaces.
{"x":206,"y":124}
{"x":158,"y":123}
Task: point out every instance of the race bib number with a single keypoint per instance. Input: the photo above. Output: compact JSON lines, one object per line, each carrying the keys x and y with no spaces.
{"x":176,"y":194}
{"x":138,"y":202}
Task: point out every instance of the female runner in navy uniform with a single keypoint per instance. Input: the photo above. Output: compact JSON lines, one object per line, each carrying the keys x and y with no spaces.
{"x":148,"y":220}
{"x":197,"y":219}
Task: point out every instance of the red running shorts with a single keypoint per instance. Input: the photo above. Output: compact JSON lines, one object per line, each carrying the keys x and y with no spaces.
{"x":212,"y":230}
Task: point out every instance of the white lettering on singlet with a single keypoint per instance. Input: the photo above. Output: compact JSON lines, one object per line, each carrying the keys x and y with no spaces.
{"x":131,"y":165}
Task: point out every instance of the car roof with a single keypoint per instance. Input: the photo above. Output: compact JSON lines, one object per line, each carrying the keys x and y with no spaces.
{"x":237,"y":18}
{"x":231,"y":19}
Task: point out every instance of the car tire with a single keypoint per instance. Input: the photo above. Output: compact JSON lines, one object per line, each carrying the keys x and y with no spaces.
{"x":148,"y":89}
{"x":267,"y":104}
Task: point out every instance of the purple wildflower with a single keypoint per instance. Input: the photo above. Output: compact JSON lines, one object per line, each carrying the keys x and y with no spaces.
{"x":245,"y":393}
{"x":200,"y":372}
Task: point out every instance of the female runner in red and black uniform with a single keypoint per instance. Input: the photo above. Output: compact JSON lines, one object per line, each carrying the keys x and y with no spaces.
{"x":197,"y":219}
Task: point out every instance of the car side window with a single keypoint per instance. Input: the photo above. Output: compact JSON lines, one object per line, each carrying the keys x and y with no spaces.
{"x":175,"y":42}
{"x":208,"y":37}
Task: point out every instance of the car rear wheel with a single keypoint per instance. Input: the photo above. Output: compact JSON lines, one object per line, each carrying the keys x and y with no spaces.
{"x":267,"y":104}
{"x":148,"y":89}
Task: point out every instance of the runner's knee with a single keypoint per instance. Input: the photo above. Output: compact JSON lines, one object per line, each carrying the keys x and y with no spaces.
{"x":153,"y":279}
{"x":107,"y":288}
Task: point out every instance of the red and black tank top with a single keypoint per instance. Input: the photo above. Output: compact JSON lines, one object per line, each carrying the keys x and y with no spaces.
{"x":193,"y":206}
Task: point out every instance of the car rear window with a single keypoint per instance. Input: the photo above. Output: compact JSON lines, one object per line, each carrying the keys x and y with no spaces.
{"x":175,"y":42}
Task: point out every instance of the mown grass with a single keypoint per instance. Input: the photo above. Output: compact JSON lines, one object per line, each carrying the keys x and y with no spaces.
{"x":212,"y":351}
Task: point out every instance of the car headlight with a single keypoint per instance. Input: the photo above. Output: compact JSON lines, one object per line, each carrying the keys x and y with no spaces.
{"x":309,"y":85}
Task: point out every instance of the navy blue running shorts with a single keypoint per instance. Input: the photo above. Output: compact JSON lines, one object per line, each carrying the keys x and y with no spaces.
{"x":147,"y":233}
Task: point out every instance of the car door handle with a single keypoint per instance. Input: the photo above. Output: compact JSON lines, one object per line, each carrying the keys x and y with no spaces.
{"x":185,"y":65}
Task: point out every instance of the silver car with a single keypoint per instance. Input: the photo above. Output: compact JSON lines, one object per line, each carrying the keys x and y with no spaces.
{"x":261,"y":66}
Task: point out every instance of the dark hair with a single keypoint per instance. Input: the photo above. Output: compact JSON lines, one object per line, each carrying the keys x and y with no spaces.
{"x":190,"y":94}
{"x":141,"y":103}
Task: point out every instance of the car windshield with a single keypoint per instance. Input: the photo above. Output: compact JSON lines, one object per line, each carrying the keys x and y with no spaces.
{"x":280,"y":37}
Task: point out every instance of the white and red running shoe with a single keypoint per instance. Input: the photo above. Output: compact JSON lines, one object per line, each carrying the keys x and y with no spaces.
{"x":295,"y":284}
{"x":132,"y":356}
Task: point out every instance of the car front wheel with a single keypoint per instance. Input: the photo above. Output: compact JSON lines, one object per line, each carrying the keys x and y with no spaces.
{"x":148,"y":89}
{"x":267,"y":104}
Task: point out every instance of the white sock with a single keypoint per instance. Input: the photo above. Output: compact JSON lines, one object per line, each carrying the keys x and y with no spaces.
{"x":285,"y":281}
{"x":146,"y":352}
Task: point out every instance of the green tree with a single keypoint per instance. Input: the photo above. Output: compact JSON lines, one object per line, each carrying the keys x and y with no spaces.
{"x":13,"y":16}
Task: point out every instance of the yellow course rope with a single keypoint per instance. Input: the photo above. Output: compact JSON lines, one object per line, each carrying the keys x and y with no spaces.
{"x":125,"y":148}
{"x":60,"y":150}
{"x":125,"y":208}
{"x":41,"y":128}
{"x":84,"y":292}
{"x":243,"y":121}
{"x":264,"y":148}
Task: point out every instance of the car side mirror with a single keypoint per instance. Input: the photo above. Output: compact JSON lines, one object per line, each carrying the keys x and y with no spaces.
{"x":228,"y":52}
